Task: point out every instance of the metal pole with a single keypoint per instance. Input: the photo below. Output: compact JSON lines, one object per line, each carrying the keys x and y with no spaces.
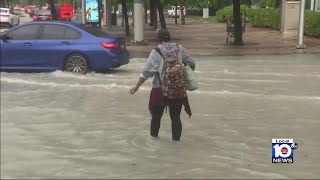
{"x":105,"y":10}
{"x":301,"y":24}
{"x":83,"y":11}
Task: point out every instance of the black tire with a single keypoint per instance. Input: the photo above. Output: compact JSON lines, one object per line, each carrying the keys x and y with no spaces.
{"x":76,"y":63}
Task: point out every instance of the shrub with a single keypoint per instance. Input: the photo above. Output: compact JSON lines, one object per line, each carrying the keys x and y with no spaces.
{"x":271,"y":18}
{"x":312,"y":23}
{"x":227,"y":13}
{"x":267,"y":18}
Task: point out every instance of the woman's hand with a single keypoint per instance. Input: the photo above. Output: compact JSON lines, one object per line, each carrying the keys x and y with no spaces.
{"x":134,"y":89}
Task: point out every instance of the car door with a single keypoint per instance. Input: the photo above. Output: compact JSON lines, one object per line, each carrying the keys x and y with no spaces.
{"x":18,"y":47}
{"x":55,"y":43}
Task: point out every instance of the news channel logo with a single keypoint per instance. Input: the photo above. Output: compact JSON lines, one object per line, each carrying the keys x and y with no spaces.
{"x":283,"y":150}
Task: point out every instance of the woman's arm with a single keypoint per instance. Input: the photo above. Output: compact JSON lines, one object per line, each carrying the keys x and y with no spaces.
{"x":187,"y":59}
{"x":150,"y":69}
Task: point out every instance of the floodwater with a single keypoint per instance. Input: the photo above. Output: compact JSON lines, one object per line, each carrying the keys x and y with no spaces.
{"x":62,"y":125}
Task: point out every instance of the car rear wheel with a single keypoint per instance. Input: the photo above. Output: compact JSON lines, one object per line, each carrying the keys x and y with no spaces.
{"x":76,"y":63}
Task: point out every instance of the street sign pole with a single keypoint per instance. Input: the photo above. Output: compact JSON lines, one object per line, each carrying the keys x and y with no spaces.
{"x":301,"y":24}
{"x":83,"y":12}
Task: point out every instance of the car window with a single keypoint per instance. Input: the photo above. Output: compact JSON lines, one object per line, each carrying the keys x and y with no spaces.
{"x":93,"y":31}
{"x":72,"y":34}
{"x":28,"y":32}
{"x":11,"y":12}
{"x":3,"y":10}
{"x":51,"y":32}
{"x":58,"y":32}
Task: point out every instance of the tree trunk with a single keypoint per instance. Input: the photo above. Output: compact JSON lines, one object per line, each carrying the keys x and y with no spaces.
{"x":183,"y":20}
{"x":175,"y":14}
{"x":155,"y":15}
{"x":237,"y":23}
{"x":75,"y":7}
{"x":278,"y":3}
{"x":2,"y":4}
{"x":5,"y":2}
{"x":53,"y":10}
{"x":151,"y":12}
{"x":8,"y":5}
{"x":122,"y":20}
{"x":125,"y":14}
{"x":145,"y":12}
{"x":109,"y":13}
{"x":161,"y":15}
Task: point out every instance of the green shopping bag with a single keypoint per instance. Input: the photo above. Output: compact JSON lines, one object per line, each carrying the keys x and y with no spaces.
{"x":191,"y":79}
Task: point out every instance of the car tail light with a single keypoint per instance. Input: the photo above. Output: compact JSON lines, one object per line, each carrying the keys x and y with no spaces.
{"x":35,"y":17}
{"x":50,"y":17}
{"x":109,"y":45}
{"x":6,"y":16}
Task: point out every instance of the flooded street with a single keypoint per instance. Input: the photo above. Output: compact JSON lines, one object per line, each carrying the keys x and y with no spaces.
{"x":63,"y":125}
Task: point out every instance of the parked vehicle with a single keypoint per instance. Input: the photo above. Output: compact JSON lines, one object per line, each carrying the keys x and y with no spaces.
{"x":29,"y":9}
{"x":42,"y":15}
{"x":33,"y":11}
{"x":61,"y":45}
{"x":17,"y":9}
{"x":9,"y":17}
{"x":171,"y":12}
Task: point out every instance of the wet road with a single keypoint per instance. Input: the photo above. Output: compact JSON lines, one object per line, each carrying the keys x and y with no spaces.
{"x":61,"y":125}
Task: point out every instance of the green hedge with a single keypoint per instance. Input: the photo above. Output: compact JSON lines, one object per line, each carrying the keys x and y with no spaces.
{"x":267,"y":18}
{"x":312,"y":23}
{"x":227,"y":13}
{"x":270,"y":18}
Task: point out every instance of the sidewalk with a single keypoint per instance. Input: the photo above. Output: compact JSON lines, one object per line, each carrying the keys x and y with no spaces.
{"x":201,"y":38}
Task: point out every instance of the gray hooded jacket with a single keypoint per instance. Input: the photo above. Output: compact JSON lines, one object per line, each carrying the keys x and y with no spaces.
{"x":155,"y":61}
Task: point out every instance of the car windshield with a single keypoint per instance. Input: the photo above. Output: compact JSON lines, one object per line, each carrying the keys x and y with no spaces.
{"x":93,"y":30}
{"x":44,"y":12}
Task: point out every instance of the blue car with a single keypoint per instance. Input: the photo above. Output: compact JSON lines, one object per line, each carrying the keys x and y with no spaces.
{"x":67,"y":46}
